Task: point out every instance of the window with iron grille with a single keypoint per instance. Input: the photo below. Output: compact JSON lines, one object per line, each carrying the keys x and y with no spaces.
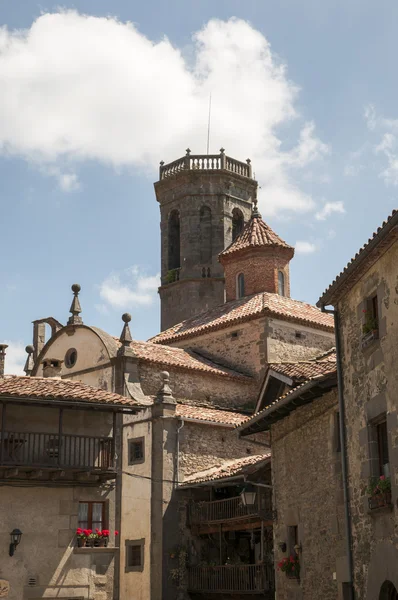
{"x":135,"y":555}
{"x":136,"y":450}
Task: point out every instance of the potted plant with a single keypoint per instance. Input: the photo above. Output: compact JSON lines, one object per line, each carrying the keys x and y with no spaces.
{"x":291,"y":566}
{"x":81,"y":537}
{"x":379,"y":491}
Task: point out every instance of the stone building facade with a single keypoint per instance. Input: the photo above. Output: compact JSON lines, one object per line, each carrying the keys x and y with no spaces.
{"x":306,"y":475}
{"x":365,"y":297}
{"x":58,"y":471}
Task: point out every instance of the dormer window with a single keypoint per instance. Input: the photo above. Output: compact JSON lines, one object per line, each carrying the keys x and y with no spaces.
{"x":281,"y":283}
{"x":240,"y":285}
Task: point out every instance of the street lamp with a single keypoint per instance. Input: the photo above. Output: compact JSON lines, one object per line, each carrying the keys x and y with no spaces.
{"x":248,"y":496}
{"x":16,"y":535}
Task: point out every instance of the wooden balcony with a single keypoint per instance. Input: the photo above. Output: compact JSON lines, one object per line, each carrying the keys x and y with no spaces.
{"x":21,"y":451}
{"x":229,"y":510}
{"x":231,"y":579}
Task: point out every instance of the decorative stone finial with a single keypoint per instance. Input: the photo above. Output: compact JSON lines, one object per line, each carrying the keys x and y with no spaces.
{"x":188,"y":151}
{"x":161,"y":163}
{"x":75,"y":307}
{"x":248,"y":161}
{"x":222,"y":150}
{"x":125,"y":336}
{"x":255,"y":212}
{"x":165,"y":395}
{"x":28,"y":368}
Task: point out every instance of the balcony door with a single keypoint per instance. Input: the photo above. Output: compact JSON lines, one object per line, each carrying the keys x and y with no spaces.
{"x":388,"y":591}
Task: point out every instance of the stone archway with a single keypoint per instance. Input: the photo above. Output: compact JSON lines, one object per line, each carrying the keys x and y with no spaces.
{"x":388,"y":591}
{"x":383,"y":573}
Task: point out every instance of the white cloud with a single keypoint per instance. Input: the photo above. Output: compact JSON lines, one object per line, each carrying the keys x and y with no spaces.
{"x":66,"y":96}
{"x":328,"y":209}
{"x":68,"y":182}
{"x":128,"y":289}
{"x":303,"y":247}
{"x":15,"y":358}
{"x":387,"y":147}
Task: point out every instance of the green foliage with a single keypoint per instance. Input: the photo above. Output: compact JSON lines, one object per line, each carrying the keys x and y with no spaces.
{"x":377,"y":486}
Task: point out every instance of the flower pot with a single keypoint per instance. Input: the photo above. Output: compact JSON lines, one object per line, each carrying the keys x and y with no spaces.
{"x":379,"y":500}
{"x":81,"y":542}
{"x":102,"y":542}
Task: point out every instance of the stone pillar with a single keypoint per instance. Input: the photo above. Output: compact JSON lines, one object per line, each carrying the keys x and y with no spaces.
{"x":164,"y":524}
{"x":3,"y":348}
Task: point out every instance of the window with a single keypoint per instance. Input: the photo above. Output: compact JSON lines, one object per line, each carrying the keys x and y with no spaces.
{"x":71,"y":358}
{"x":382,"y":448}
{"x":174,"y":240}
{"x":136,"y":451}
{"x":92,"y":515}
{"x":237,"y":223}
{"x":205,"y":235}
{"x":240,"y":286}
{"x":281,"y":283}
{"x":135,"y":555}
{"x":371,"y":315}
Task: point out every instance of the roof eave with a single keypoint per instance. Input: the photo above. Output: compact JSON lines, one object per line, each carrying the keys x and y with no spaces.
{"x":333,"y":293}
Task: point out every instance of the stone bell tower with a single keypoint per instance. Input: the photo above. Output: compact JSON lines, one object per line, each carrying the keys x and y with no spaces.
{"x":205,"y":201}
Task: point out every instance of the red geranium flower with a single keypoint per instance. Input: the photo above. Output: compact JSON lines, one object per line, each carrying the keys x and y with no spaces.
{"x":116,"y":533}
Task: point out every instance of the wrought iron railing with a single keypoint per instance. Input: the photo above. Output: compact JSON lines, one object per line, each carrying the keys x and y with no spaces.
{"x":205,"y":162}
{"x":51,"y":450}
{"x":229,"y":579}
{"x":230,"y":508}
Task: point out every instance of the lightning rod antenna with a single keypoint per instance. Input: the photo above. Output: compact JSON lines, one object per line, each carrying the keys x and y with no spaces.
{"x":208,"y":126}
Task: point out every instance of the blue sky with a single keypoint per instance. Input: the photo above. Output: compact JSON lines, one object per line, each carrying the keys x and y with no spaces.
{"x":94,"y":94}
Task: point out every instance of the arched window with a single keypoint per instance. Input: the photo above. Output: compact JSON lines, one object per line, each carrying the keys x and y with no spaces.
{"x":237,"y":223}
{"x":206,"y":250}
{"x":174,"y":240}
{"x":240,"y":285}
{"x":281,"y":283}
{"x":388,"y":591}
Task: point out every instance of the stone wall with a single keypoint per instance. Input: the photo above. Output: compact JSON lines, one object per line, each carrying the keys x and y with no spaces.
{"x":249,"y":346}
{"x":287,"y":341}
{"x":370,"y":390}
{"x":205,"y":446}
{"x":200,"y":387}
{"x":46,"y":562}
{"x":308,"y":495}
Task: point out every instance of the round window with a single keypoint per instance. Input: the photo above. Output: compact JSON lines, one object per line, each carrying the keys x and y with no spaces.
{"x":71,"y":358}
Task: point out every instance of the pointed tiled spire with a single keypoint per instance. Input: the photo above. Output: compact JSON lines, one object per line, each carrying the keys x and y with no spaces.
{"x":28,"y":368}
{"x":75,"y":307}
{"x":165,"y":395}
{"x":125,"y":336}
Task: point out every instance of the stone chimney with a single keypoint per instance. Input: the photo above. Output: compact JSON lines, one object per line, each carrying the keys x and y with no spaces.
{"x":52,"y":368}
{"x":2,"y":358}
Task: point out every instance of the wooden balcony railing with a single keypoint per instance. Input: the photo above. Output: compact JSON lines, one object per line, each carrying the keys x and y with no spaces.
{"x":229,"y":509}
{"x":51,"y":450}
{"x":230,"y":579}
{"x":208,"y":162}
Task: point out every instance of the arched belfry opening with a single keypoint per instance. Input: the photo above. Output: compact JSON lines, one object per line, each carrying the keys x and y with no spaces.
{"x":206,"y":250}
{"x":174,"y":261}
{"x":388,"y":591}
{"x":238,"y":223}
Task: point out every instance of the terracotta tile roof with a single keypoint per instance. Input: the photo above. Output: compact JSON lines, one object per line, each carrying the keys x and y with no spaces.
{"x":47,"y":388}
{"x":231,"y":468}
{"x":291,"y":395}
{"x":245,"y":309}
{"x":200,"y":413}
{"x":305,"y":370}
{"x":362,"y":261}
{"x":256,"y":234}
{"x":168,"y":356}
